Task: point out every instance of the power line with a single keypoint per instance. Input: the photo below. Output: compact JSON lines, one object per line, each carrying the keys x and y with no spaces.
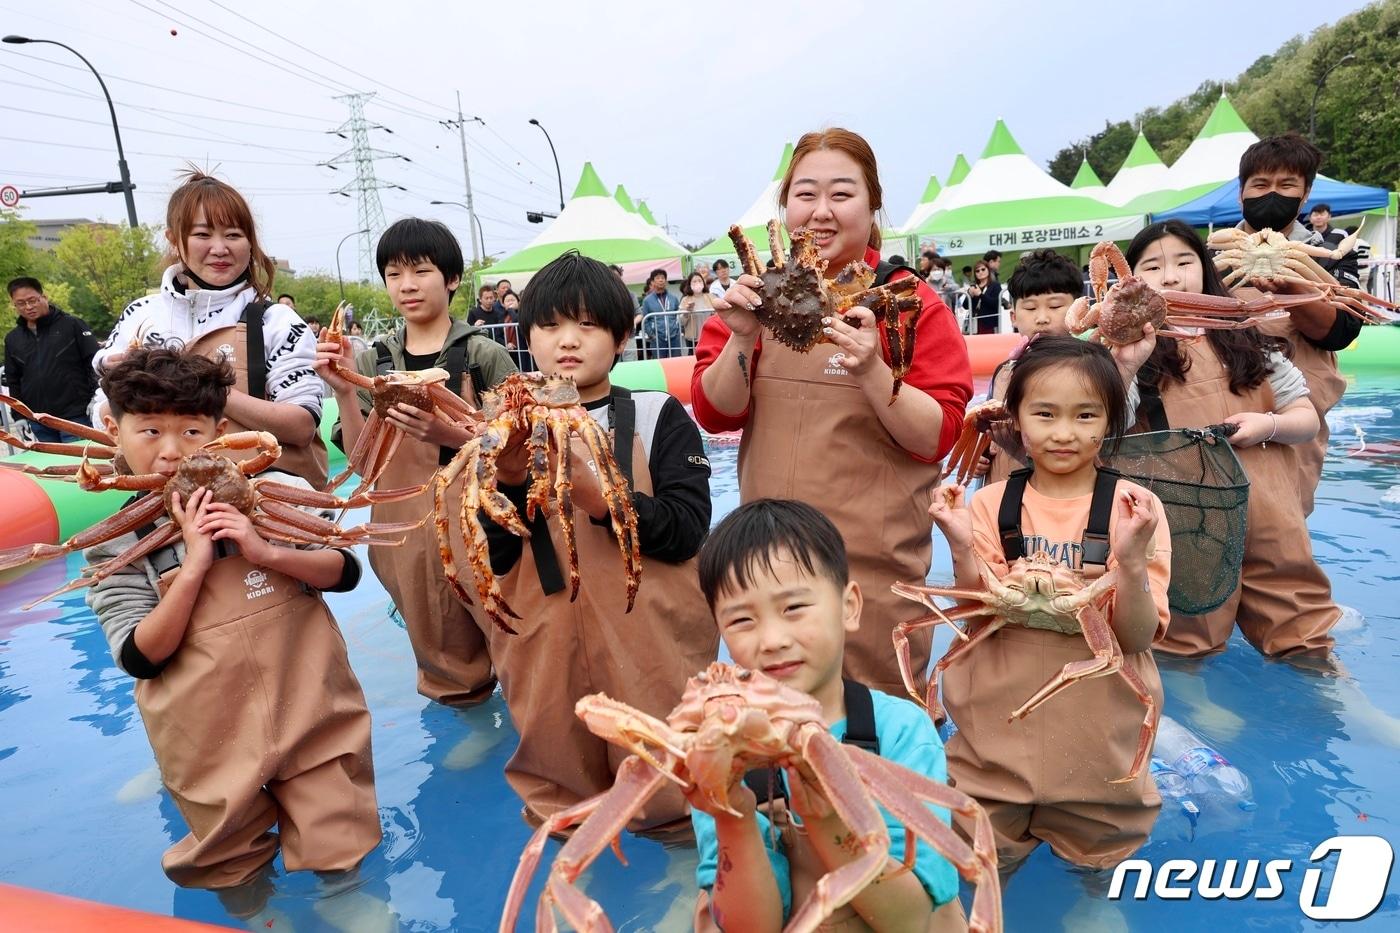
{"x":155,"y":155}
{"x":142,"y":129}
{"x":167,"y":89}
{"x":242,"y":17}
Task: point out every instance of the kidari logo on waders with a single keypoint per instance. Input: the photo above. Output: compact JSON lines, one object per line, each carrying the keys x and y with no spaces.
{"x":834,"y":367}
{"x":256,"y":582}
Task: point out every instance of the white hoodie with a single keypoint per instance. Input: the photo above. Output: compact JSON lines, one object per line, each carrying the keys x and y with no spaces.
{"x":173,"y":318}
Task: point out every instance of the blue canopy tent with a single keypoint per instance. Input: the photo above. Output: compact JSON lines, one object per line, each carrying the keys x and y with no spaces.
{"x":1221,"y":207}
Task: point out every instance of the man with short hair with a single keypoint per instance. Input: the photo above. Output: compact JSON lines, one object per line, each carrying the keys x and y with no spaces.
{"x":489,"y":312}
{"x":288,"y":300}
{"x":722,"y":280}
{"x":660,"y":325}
{"x":48,"y":359}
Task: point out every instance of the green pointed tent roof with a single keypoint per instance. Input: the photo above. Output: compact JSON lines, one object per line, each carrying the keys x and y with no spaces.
{"x":623,"y":198}
{"x":596,"y":224}
{"x":646,"y":213}
{"x":1001,"y":142}
{"x":589,"y":184}
{"x":1085,"y":177}
{"x":783,"y":163}
{"x":1142,"y":153}
{"x":960,"y":170}
{"x":1223,"y":119}
{"x":931,"y":190}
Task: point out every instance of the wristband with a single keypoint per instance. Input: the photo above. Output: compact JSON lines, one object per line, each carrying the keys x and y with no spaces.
{"x":1273,"y":418}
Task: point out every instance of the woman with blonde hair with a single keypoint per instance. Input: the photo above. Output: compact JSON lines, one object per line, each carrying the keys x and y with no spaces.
{"x":214,"y":298}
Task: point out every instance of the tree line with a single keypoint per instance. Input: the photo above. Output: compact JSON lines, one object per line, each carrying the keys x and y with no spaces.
{"x":1358,"y":109}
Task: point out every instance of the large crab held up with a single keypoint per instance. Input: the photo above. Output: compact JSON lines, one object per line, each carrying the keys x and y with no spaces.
{"x":1244,"y":258}
{"x":731,"y":720}
{"x":547,"y":409}
{"x":1119,"y":312}
{"x":1037,"y":592}
{"x":425,"y":390}
{"x":797,"y":295}
{"x":271,"y":505}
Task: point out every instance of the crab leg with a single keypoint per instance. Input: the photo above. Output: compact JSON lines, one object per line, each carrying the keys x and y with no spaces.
{"x":273,"y":529}
{"x":602,"y":819}
{"x":295,"y":495}
{"x":134,"y":516}
{"x":100,"y":451}
{"x":67,"y":472}
{"x":147,"y":545}
{"x":748,"y":256}
{"x":452,"y":473}
{"x":900,"y":635}
{"x":615,"y":487}
{"x":902,"y":793}
{"x":841,"y":783}
{"x":775,"y":245}
{"x":324,"y":528}
{"x":563,"y":491}
{"x":538,"y":496}
{"x":493,"y":601}
{"x":59,"y":424}
{"x":268,"y":449}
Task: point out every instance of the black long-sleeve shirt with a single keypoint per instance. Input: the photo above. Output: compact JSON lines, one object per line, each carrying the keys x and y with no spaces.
{"x":49,"y":368}
{"x":672,"y":522}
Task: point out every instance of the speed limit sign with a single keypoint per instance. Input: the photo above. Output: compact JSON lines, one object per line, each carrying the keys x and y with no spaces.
{"x":9,"y":196}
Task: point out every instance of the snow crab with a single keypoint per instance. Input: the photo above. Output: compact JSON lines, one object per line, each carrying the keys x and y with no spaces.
{"x":272,"y":506}
{"x":548,"y":409}
{"x":425,"y":390}
{"x":1119,"y":312}
{"x":1037,"y":592}
{"x":797,"y":295}
{"x":728,"y":721}
{"x":99,"y":446}
{"x":975,"y":438}
{"x":1246,"y":257}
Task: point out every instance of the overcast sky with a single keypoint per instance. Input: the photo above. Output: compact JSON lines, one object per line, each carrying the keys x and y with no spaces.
{"x":688,"y":105}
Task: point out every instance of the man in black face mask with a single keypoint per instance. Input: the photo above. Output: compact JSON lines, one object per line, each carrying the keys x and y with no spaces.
{"x":1276,"y":175}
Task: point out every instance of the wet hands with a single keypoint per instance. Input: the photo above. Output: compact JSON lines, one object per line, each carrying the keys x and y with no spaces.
{"x":1135,"y":523}
{"x":429,"y":427}
{"x":329,"y":355}
{"x":203,"y":521}
{"x":1255,"y":427}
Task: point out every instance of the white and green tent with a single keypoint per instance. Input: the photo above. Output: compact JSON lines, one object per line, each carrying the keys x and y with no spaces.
{"x":1007,"y":202}
{"x":643,"y":215}
{"x":1142,"y":172}
{"x":754,"y":220}
{"x":598,"y":226}
{"x":1087,"y":181}
{"x":928,"y":206}
{"x":1212,"y":159}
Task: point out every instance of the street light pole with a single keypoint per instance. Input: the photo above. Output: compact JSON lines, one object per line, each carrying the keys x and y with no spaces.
{"x":479,"y":232}
{"x":127,"y":186}
{"x":338,"y":279}
{"x":557,"y":174}
{"x":1312,"y":114}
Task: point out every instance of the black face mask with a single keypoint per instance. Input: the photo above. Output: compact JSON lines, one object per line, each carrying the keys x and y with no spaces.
{"x":1271,"y":211}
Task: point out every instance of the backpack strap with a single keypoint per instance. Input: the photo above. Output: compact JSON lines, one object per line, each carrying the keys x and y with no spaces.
{"x":383,"y":358}
{"x":1151,"y":411}
{"x":256,"y":351}
{"x":860,"y":732}
{"x":622,"y":415}
{"x":884,"y":270}
{"x":1013,"y":543}
{"x":1094,"y":545}
{"x":860,"y":717}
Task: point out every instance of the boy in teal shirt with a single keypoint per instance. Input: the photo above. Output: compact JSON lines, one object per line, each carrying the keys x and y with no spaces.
{"x":775,"y":575}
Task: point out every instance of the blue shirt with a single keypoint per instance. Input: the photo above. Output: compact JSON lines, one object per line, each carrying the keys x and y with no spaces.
{"x":907,"y":737}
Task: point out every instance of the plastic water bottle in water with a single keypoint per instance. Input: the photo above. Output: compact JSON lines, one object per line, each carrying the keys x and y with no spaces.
{"x":1210,"y":778}
{"x":1176,"y":798}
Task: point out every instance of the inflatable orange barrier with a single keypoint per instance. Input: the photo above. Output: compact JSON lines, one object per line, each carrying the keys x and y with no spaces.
{"x":41,"y":912}
{"x":984,"y":351}
{"x":30,"y":515}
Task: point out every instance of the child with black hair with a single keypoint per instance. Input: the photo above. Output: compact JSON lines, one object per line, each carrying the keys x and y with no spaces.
{"x":576,"y":316}
{"x":245,"y":690}
{"x":775,"y":575}
{"x":1276,"y":177}
{"x":1283,"y":604}
{"x":1043,"y":286}
{"x":421,"y":265}
{"x":1057,"y":776}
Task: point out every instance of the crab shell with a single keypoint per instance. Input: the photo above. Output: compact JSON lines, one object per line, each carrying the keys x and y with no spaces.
{"x":220,"y":475}
{"x":1129,"y":306}
{"x":410,"y":388}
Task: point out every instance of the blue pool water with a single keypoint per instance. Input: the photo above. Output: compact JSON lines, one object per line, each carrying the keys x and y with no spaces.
{"x":84,"y":813}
